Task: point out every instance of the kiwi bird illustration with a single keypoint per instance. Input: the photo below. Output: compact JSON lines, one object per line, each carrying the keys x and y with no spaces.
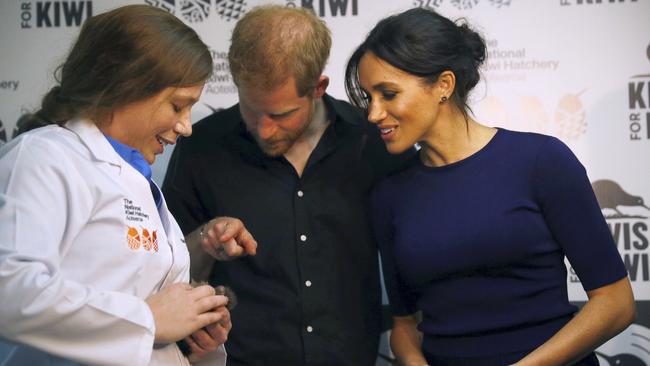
{"x":622,"y":359}
{"x":610,"y":195}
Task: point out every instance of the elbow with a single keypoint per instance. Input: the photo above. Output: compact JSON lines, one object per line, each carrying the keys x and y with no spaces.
{"x":628,"y":314}
{"x":616,"y":303}
{"x":626,"y":309}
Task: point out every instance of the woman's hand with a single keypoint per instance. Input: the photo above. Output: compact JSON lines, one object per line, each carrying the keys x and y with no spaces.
{"x":180,"y":310}
{"x":406,"y":341}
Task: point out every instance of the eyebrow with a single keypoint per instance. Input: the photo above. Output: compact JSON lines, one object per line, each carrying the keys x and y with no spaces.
{"x":383,"y":85}
{"x":185,"y":98}
{"x":284,"y":113}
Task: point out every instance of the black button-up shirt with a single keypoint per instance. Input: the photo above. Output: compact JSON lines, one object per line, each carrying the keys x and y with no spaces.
{"x":311,"y":295}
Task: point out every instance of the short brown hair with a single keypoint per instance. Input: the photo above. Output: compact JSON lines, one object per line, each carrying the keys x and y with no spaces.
{"x":272,"y":43}
{"x":122,"y":56}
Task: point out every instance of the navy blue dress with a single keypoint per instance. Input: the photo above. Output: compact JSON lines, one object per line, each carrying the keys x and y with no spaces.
{"x":479,"y":245}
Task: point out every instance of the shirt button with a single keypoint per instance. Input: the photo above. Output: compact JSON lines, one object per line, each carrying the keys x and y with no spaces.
{"x":303,"y":237}
{"x":310,"y":329}
{"x":300,"y":194}
{"x":308,"y":283}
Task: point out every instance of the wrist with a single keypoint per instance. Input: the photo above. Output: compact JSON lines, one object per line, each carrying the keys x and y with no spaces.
{"x":202,"y":231}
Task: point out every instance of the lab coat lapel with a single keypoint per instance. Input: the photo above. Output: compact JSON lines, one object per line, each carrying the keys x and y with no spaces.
{"x":131,"y":181}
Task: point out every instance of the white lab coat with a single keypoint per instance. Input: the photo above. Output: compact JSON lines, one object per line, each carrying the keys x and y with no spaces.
{"x":82,"y":244}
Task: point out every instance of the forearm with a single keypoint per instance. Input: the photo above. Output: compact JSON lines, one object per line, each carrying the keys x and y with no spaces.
{"x":610,"y":310}
{"x":406,"y":342}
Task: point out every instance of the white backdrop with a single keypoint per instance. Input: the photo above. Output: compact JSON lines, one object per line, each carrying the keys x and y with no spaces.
{"x":575,"y":69}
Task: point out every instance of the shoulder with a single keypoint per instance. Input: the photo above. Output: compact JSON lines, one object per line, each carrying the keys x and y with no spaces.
{"x":346,"y":111}
{"x":219,"y":123}
{"x":548,"y":160}
{"x":44,"y":154}
{"x":528,"y":141}
{"x":210,"y":133}
{"x":45,"y":143}
{"x":531,"y":147}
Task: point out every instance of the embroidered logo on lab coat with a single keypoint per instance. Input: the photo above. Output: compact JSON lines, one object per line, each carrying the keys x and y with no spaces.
{"x":141,"y":238}
{"x":133,"y":212}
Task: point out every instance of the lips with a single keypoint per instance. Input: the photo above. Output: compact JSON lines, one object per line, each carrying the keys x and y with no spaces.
{"x":388,"y":132}
{"x":162,"y":142}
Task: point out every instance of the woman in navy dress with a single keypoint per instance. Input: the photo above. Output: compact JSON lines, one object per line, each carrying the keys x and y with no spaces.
{"x":473,"y":234}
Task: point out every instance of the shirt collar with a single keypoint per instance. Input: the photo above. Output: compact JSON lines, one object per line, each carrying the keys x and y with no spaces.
{"x":131,"y":156}
{"x":344,"y":120}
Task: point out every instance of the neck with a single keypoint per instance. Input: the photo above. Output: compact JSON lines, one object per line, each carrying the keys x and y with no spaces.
{"x":299,"y":152}
{"x":452,"y":138}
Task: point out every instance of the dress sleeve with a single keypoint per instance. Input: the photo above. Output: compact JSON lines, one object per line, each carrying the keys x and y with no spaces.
{"x":401,"y":297}
{"x":181,"y":193}
{"x":573,"y":215}
{"x":40,"y":307}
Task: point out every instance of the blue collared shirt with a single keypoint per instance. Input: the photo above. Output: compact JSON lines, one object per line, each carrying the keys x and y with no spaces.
{"x":138,"y":162}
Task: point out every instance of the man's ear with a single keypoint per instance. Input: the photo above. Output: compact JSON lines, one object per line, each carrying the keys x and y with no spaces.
{"x":321,"y":87}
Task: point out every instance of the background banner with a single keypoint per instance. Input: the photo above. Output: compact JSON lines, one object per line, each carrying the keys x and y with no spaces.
{"x":575,"y":69}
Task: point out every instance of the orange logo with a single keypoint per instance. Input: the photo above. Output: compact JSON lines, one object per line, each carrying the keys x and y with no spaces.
{"x":135,"y":239}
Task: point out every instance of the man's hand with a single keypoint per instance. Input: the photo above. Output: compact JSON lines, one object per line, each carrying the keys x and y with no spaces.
{"x":226,"y":238}
{"x":208,"y":339}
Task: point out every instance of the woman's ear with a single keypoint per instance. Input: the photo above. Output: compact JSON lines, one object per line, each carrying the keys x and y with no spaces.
{"x":445,"y":86}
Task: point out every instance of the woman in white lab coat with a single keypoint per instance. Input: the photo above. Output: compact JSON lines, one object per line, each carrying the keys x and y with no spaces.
{"x":93,"y":267}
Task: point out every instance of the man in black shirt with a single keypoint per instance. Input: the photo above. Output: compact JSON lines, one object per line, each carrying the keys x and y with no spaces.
{"x":295,"y":166}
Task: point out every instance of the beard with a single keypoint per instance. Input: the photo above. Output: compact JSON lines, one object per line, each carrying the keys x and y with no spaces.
{"x":282,"y":141}
{"x":276,"y":147}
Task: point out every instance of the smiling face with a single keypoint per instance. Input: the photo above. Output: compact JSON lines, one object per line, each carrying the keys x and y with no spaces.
{"x":400,"y":104}
{"x":277,"y":118}
{"x":150,"y":124}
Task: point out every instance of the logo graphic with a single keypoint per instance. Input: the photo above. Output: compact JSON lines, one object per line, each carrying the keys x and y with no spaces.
{"x":149,"y":241}
{"x":337,"y":8}
{"x":639,"y":105}
{"x":627,"y":218}
{"x":135,"y":239}
{"x":231,"y":9}
{"x":54,"y":14}
{"x":460,"y":4}
{"x":567,"y":120}
{"x":593,"y":2}
{"x":630,"y":348}
{"x":196,"y":11}
{"x":610,"y":196}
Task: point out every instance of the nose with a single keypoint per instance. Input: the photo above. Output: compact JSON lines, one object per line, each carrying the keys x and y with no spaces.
{"x":265,"y":128}
{"x":184,"y":125}
{"x":376,"y":113}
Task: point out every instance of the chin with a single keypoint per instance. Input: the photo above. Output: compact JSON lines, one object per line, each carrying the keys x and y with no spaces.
{"x":274,"y":150}
{"x":396,"y":149}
